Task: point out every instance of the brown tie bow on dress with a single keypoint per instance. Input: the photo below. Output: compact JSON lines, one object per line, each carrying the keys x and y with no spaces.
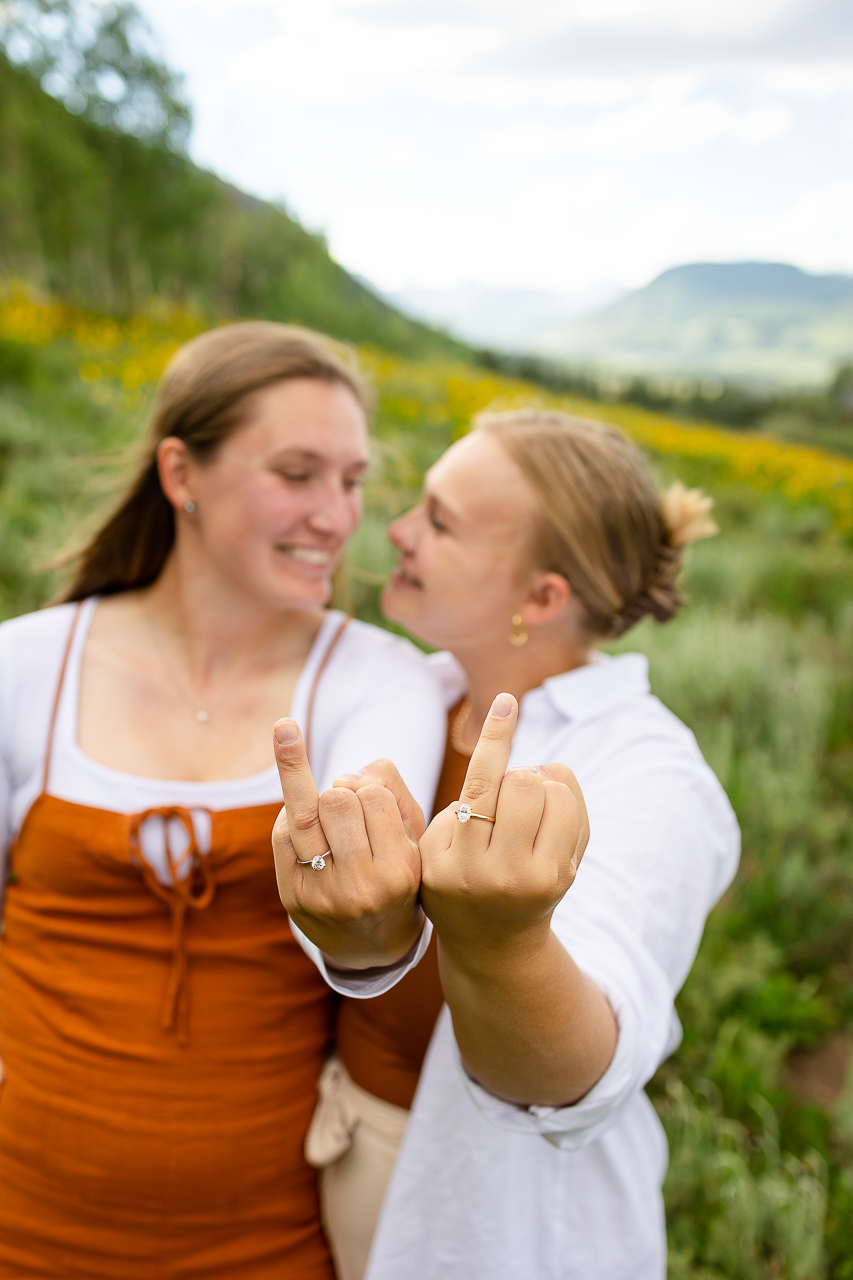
{"x":193,"y":886}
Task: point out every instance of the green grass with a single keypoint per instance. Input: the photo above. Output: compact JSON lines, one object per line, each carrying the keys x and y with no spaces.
{"x":760,"y":665}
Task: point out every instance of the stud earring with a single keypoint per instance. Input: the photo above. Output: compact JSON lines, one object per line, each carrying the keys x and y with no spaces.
{"x":189,"y":507}
{"x":518,"y":635}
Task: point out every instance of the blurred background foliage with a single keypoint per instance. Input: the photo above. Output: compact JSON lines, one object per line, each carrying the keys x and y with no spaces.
{"x":114,"y":249}
{"x":758,"y":1101}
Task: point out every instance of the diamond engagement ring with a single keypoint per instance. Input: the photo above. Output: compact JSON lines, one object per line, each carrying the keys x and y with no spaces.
{"x":464,"y":814}
{"x":318,"y":862}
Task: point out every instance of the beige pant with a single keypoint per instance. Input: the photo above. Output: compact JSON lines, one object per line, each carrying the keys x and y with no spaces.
{"x":353,"y":1140}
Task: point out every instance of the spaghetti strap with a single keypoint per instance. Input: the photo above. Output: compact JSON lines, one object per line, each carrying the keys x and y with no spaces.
{"x":309,"y":717}
{"x":49,"y":748}
{"x":69,"y":642}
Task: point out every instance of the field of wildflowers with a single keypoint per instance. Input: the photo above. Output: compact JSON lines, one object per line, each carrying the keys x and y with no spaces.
{"x":758,"y":1100}
{"x":450,"y":394}
{"x":123,"y":359}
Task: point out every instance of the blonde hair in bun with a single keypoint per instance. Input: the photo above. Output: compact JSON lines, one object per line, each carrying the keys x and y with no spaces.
{"x":686,"y":514}
{"x":604,"y":526}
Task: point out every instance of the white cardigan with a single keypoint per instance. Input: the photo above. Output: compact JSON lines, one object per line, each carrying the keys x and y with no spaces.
{"x":488,"y":1191}
{"x":376,"y":697}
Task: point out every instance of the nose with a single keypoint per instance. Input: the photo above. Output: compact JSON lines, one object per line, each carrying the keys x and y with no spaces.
{"x":401,"y":532}
{"x":337,"y":511}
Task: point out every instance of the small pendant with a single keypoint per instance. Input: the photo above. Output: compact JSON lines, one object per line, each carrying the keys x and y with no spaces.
{"x":202,"y":716}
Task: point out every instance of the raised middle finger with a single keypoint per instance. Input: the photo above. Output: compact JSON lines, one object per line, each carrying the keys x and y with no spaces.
{"x":299,"y":791}
{"x":486,"y":769}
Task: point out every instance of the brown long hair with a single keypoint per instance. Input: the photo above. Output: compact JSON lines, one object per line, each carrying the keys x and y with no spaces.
{"x":201,"y":400}
{"x":604,"y":526}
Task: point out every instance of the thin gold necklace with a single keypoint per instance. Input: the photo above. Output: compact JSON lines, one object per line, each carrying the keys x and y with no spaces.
{"x":202,"y":714}
{"x":457,"y":728}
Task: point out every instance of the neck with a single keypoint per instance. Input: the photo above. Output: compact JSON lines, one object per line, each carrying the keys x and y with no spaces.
{"x":215,"y":625}
{"x":500,"y":668}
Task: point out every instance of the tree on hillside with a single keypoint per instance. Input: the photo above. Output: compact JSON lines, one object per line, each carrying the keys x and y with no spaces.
{"x":841,"y":391}
{"x":99,"y":60}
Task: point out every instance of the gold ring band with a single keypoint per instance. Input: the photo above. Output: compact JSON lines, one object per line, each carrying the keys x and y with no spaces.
{"x":464,"y":814}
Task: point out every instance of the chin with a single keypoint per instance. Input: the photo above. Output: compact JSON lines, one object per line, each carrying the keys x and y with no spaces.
{"x":297,"y":595}
{"x":392,"y":607}
{"x":398,"y":606}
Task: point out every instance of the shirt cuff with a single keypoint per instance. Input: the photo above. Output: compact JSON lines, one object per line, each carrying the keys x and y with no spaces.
{"x":362,"y":984}
{"x":574,"y":1126}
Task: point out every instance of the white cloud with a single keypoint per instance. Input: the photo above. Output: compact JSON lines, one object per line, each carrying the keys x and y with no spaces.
{"x":819,"y":221}
{"x":541,"y":142}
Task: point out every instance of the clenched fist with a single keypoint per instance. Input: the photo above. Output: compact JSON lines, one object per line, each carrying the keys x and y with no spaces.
{"x":358,"y":902}
{"x":494,"y":881}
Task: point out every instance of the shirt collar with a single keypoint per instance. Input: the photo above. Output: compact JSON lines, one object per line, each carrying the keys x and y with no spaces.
{"x":581,"y":694}
{"x":604,"y":683}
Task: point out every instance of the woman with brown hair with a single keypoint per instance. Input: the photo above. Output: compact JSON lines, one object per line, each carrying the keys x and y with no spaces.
{"x":531,"y":1149}
{"x":161,"y":1031}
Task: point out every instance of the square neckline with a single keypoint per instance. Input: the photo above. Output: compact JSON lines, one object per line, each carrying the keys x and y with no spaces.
{"x":67,"y":720}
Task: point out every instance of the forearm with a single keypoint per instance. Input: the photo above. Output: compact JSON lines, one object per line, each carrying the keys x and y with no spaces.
{"x":531,"y":1027}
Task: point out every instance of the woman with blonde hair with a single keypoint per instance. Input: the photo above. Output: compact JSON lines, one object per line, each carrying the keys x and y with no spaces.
{"x":161,"y":1031}
{"x":531,"y":1149}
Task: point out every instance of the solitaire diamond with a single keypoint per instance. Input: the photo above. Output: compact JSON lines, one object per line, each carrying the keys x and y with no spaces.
{"x":318,"y":862}
{"x":463,"y":813}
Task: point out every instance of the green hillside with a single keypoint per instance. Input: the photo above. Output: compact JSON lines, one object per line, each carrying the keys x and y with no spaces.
{"x":760,"y":322}
{"x":103,"y":220}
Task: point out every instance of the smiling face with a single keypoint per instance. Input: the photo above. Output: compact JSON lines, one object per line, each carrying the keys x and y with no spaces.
{"x":281,"y":496}
{"x":464,"y":566}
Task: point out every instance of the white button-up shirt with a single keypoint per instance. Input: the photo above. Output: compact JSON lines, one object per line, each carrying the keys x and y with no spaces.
{"x":484,"y":1190}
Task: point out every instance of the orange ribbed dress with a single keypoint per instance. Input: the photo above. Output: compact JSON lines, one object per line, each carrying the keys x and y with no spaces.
{"x":161,"y":1047}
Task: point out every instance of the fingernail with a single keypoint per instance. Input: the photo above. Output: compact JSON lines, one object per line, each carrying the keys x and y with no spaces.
{"x":524,"y":768}
{"x":286,"y":732}
{"x":351,"y":777}
{"x":502,"y":706}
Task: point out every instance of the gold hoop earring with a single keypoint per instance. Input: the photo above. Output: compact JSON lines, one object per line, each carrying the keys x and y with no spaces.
{"x":518,"y":635}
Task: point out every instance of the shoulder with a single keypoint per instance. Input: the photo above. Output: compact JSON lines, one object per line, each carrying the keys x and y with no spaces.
{"x":610,"y":705}
{"x":645,"y":725}
{"x":619,"y":738}
{"x":450,"y":675}
{"x":653,"y":800}
{"x":35,"y":641}
{"x":370,"y":665}
{"x":367,"y":651}
{"x":31,"y":649}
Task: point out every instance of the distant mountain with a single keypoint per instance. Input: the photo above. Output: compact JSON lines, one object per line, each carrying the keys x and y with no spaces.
{"x":503,"y":319}
{"x":761,"y":322}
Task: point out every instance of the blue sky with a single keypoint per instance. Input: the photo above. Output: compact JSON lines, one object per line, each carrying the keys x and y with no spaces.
{"x":554,"y":144}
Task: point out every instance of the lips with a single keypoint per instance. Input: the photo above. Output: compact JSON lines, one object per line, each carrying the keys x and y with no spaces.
{"x":399,"y":578}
